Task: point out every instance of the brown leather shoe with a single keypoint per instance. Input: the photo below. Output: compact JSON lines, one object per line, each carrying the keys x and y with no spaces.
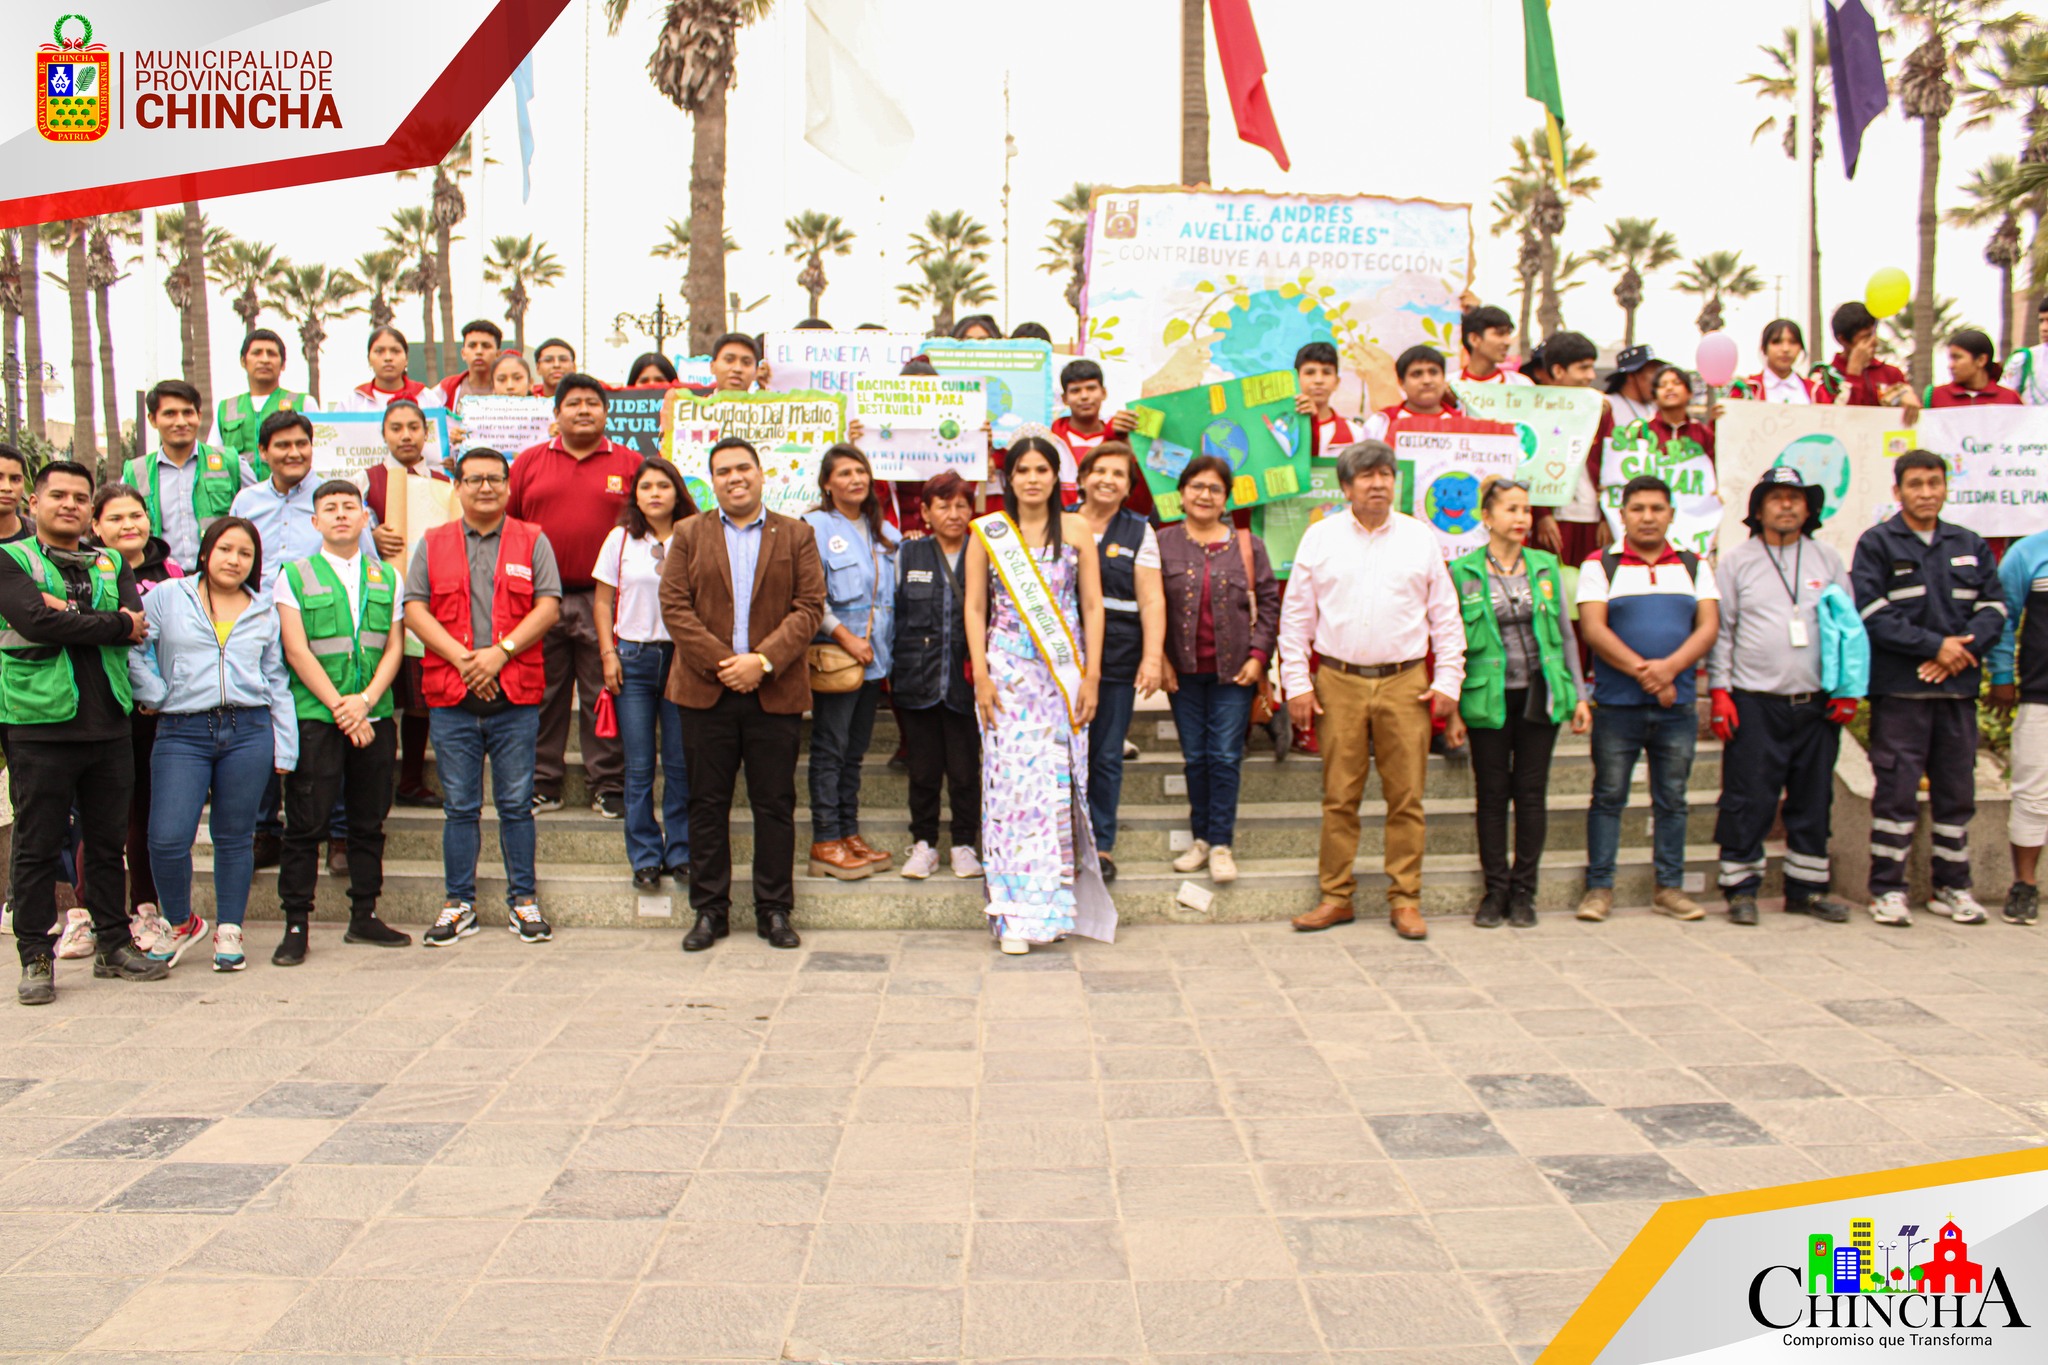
{"x":861,"y":848}
{"x":835,"y":859}
{"x":1323,"y":916}
{"x":1407,"y":921}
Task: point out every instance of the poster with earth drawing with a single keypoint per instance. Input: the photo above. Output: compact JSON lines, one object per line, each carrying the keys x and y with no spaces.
{"x":1847,"y":451}
{"x":1447,"y":462}
{"x":1187,"y":287}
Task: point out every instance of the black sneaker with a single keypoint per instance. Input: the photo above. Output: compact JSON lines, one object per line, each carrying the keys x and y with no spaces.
{"x":291,"y":949}
{"x":2022,"y":904}
{"x":457,"y":920}
{"x":610,"y":805}
{"x":1490,"y":911}
{"x":375,"y":932}
{"x":1820,"y":907}
{"x":130,"y":963}
{"x":38,"y":982}
{"x":1521,"y":911}
{"x":526,"y":922}
{"x":1742,"y":909}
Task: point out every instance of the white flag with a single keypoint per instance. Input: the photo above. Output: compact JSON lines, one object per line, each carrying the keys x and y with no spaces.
{"x":847,"y":115}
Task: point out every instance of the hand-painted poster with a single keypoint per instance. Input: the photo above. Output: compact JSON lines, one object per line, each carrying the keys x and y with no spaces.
{"x":790,"y":430}
{"x":506,"y":423}
{"x":1282,"y":524}
{"x":829,"y":362}
{"x":1683,"y":464}
{"x":633,"y":417}
{"x":347,"y":443}
{"x":1847,"y":451}
{"x":914,"y":428}
{"x":1016,"y":374}
{"x":1997,"y":466}
{"x":1186,"y":287}
{"x":1249,"y":423}
{"x":1557,"y":427}
{"x":1445,"y":463}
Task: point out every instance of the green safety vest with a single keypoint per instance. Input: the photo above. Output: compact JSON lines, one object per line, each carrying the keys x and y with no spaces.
{"x":219,"y":478}
{"x":1483,"y":703}
{"x":238,"y":420}
{"x":37,"y":686}
{"x":347,"y":652}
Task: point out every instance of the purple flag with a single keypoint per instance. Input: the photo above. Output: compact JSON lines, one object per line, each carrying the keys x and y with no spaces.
{"x":1860,"y":94}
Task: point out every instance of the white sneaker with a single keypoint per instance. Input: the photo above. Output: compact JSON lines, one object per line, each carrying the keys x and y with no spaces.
{"x":142,"y":925}
{"x":78,"y":939}
{"x":7,"y":917}
{"x":1130,"y":752}
{"x":227,"y":949}
{"x":966,"y":863}
{"x":1015,"y":947}
{"x":1891,"y":908}
{"x":1950,"y":902}
{"x":1222,"y":866}
{"x":921,"y":862}
{"x":1194,"y":859}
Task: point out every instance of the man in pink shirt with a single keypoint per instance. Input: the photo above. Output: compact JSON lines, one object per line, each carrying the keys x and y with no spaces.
{"x":1371,"y":694}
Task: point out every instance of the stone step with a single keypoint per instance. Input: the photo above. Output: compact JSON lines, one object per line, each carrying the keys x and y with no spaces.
{"x":574,"y":894}
{"x":1154,"y":833}
{"x":1159,"y":778}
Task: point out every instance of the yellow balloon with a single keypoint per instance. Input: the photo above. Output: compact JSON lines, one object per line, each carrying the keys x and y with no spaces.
{"x":1888,"y":292}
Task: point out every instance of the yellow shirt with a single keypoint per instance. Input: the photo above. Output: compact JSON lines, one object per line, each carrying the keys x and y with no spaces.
{"x":221,"y":629}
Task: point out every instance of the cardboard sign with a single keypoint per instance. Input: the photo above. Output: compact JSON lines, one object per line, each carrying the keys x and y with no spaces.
{"x":1997,"y":466}
{"x":1683,"y":465}
{"x":1249,"y":423}
{"x":1847,"y":451}
{"x":1016,"y":375}
{"x":789,"y":430}
{"x":347,"y":443}
{"x":507,"y":424}
{"x":1446,"y":463}
{"x":913,"y":428}
{"x":829,"y":362}
{"x":1556,"y":426}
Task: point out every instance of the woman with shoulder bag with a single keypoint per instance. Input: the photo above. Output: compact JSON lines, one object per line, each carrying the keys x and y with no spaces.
{"x":1222,"y":621}
{"x":849,"y":658}
{"x":1522,"y":681}
{"x":637,"y":654}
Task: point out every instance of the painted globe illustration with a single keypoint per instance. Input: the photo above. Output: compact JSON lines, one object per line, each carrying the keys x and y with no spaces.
{"x":1822,"y":460}
{"x":949,"y":430}
{"x":1451,"y":503}
{"x":1527,"y":435}
{"x":700,"y":491}
{"x":1227,"y":440}
{"x":998,"y":395}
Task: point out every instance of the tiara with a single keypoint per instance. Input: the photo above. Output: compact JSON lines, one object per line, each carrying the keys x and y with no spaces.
{"x":1038,"y":429}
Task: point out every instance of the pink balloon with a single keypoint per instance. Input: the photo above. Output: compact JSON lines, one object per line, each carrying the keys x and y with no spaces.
{"x":1716,"y":359}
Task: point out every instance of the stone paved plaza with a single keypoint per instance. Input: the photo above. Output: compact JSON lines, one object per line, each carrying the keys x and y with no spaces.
{"x":1213,"y":1143}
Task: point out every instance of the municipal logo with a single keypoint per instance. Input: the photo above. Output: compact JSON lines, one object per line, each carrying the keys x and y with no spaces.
{"x":72,"y":104}
{"x":1869,"y":1290}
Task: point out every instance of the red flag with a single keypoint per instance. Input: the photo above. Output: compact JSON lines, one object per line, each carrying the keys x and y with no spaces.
{"x":1244,"y":72}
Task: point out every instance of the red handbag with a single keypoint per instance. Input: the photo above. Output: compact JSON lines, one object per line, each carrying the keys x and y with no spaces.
{"x":607,"y":721}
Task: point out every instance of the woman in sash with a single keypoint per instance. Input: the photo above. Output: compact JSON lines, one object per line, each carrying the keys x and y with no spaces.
{"x":1034,"y":637}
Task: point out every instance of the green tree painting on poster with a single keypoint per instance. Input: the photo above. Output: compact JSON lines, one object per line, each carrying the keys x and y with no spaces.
{"x":1250,"y":423}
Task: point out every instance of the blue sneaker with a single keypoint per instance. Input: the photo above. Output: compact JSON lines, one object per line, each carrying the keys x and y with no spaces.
{"x":227,"y":949}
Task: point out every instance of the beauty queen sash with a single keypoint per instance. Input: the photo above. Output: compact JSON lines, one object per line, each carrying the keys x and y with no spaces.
{"x":1004,"y":544}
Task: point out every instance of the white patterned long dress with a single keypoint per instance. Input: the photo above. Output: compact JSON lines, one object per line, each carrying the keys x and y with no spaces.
{"x":1043,"y":880}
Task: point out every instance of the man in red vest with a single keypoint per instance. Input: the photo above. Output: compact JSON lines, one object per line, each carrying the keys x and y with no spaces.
{"x":483,"y":685}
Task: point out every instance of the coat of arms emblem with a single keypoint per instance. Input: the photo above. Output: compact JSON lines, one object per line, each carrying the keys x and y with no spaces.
{"x":72,"y":103}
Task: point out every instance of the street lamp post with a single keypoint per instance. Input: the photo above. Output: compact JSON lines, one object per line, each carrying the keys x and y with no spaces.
{"x":658,"y":324}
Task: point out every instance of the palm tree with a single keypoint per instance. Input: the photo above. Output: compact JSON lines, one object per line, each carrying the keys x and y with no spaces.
{"x":198,"y":244}
{"x":1948,"y":320}
{"x":383,"y":274}
{"x":1066,"y":242}
{"x":252,"y":272}
{"x":412,"y":235}
{"x":70,"y":235}
{"x":1568,"y":278}
{"x":1715,"y":276}
{"x":10,"y":314}
{"x":943,"y":283}
{"x":1781,"y":82}
{"x":516,"y":262}
{"x":102,"y":272}
{"x":1194,"y":96}
{"x":1636,"y":247}
{"x":1952,"y":32}
{"x":310,"y":295}
{"x":446,"y":208}
{"x":2012,"y":77}
{"x":811,"y":235}
{"x":1533,"y":203}
{"x":32,"y":327}
{"x":954,"y":236}
{"x":186,"y":288}
{"x":675,"y":246}
{"x":692,"y":67}
{"x":1989,"y":191}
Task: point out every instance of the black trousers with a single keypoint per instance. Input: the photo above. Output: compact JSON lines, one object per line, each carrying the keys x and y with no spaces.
{"x":331,"y":768}
{"x":1910,"y":736}
{"x":1779,"y":747}
{"x":48,"y":779}
{"x":1512,"y":764}
{"x":940,"y":743}
{"x":732,"y":733}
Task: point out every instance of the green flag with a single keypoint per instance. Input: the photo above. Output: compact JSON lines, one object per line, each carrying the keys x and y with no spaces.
{"x":1539,"y":63}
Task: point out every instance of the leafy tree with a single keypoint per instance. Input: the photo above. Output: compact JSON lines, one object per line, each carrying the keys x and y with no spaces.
{"x":1715,"y":276}
{"x":311,"y":295}
{"x":813,"y":236}
{"x":516,"y":262}
{"x":1066,"y":242}
{"x":1780,"y":82}
{"x":1636,"y":247}
{"x":1532,"y":203}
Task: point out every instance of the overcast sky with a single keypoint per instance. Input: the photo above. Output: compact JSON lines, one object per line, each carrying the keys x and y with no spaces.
{"x":1371,"y":96}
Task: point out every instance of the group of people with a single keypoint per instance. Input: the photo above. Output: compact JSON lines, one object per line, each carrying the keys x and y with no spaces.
{"x":219,"y":629}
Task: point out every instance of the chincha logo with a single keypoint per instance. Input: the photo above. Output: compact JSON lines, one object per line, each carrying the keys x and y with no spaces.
{"x":1862,"y":1292}
{"x":72,"y":104}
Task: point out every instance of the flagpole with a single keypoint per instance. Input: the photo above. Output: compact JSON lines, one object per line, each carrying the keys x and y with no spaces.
{"x":1803,"y":133}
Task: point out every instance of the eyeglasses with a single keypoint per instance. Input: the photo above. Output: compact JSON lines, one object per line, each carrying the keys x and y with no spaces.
{"x":1511,"y":483}
{"x":1211,"y":489}
{"x":484,"y":480}
{"x":660,"y":551}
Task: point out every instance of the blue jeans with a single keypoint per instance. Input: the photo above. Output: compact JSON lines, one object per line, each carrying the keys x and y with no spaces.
{"x":842,"y":723}
{"x":1620,"y":735}
{"x":227,"y":753}
{"x":1212,"y":716}
{"x":1113,"y":706}
{"x":651,"y":728}
{"x":461,"y":742}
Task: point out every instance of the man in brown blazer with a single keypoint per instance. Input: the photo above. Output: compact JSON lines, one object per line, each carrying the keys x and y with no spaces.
{"x":742,"y":593}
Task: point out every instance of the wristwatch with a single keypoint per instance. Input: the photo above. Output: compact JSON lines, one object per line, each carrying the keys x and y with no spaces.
{"x":507,"y":645}
{"x":767,"y":664}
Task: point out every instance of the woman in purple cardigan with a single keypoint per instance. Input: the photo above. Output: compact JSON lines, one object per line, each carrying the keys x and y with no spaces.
{"x":1222,"y":617}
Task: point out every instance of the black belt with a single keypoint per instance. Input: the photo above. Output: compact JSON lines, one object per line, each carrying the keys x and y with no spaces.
{"x":1367,"y":670}
{"x":1789,"y":698}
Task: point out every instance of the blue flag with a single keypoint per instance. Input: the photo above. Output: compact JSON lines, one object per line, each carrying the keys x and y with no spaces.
{"x":1860,"y":94}
{"x":522,"y":95}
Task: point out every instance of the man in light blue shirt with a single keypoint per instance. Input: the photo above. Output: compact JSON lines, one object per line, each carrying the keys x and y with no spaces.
{"x":185,"y":485}
{"x":743,"y":552}
{"x":282,"y":505}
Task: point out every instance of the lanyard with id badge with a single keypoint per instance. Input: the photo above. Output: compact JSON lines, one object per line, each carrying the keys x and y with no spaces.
{"x":1798,"y":626}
